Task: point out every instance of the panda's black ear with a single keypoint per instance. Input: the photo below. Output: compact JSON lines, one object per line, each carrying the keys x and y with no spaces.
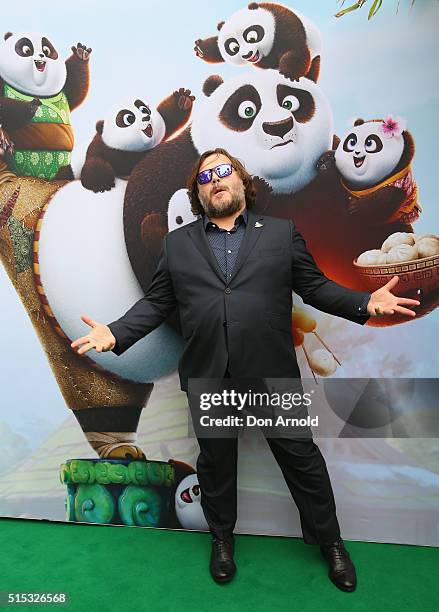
{"x":253,"y":6}
{"x":212,"y":83}
{"x":100,"y":126}
{"x":7,"y":35}
{"x":220,"y":25}
{"x":358,"y":122}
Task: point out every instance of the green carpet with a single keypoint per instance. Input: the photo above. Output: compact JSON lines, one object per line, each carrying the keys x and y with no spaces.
{"x":130,"y":568}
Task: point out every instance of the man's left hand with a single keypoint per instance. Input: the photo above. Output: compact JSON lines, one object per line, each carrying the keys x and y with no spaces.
{"x":383,"y":302}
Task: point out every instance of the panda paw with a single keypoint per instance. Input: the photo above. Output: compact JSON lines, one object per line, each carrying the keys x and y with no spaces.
{"x":263,"y":193}
{"x":198,"y":48}
{"x":97,"y":176}
{"x":81,"y":52}
{"x":184,"y":98}
{"x":34,"y":105}
{"x":326,"y":161}
{"x":289,"y":75}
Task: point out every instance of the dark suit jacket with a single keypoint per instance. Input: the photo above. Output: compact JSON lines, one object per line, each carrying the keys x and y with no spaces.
{"x":245,"y":321}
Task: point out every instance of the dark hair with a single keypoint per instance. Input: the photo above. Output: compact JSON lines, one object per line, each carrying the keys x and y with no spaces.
{"x":192,"y":185}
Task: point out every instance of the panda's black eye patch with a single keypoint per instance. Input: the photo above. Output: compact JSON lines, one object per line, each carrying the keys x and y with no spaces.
{"x":254,"y":34}
{"x":24,"y":47}
{"x":349,"y":143}
{"x":307,"y":107}
{"x":125,"y":118}
{"x":240,"y":110}
{"x":48,"y":49}
{"x":143,"y":108}
{"x":231,"y":46}
{"x":373,"y":143}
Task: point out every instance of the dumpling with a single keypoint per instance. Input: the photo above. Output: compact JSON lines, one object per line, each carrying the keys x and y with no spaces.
{"x":428,"y":246}
{"x":322,"y":362}
{"x":382,"y":258}
{"x":397,"y":238}
{"x":402,"y":253}
{"x":369,"y":258}
{"x":419,"y":237}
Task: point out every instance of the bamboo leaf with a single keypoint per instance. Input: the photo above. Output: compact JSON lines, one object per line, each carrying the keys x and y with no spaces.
{"x":372,"y":8}
{"x":351,"y":8}
{"x":375,"y":8}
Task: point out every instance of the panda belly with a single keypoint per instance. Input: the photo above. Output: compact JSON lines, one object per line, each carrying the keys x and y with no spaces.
{"x":85,"y":269}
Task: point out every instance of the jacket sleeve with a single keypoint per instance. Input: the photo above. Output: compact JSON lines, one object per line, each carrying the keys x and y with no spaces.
{"x":319,"y":291}
{"x":149,"y":312}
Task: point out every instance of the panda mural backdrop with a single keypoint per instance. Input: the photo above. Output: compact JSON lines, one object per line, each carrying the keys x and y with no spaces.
{"x":319,"y":111}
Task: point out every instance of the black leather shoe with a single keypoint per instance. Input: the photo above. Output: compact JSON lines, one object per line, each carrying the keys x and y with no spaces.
{"x":341,"y":569}
{"x":222,"y":566}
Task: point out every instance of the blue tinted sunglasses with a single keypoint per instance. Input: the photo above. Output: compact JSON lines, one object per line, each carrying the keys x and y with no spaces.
{"x":221,"y":171}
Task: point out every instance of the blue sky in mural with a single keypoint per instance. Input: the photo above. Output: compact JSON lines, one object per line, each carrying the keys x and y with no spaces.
{"x":369,"y":69}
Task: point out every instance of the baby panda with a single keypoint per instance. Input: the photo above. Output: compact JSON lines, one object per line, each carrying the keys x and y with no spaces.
{"x":266,"y":35}
{"x":128,"y":131}
{"x":188,"y":504}
{"x":37,"y":92}
{"x":374,"y":163}
{"x":370,"y":190}
{"x":278,"y":128}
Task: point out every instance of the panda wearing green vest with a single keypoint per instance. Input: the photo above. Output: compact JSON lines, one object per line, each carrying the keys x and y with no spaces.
{"x":37,"y":92}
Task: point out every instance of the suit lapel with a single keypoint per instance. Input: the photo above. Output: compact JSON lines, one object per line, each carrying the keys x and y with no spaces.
{"x":251,"y":236}
{"x":197,"y":233}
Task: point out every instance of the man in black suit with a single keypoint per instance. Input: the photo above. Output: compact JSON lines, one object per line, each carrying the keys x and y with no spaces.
{"x":231,"y":273}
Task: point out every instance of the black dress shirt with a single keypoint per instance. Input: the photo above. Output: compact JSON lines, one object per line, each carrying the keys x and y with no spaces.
{"x":225,"y":243}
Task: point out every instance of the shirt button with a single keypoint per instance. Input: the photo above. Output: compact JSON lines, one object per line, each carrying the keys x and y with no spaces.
{"x":228,"y":232}
{"x":229,"y":251}
{"x":227,"y":290}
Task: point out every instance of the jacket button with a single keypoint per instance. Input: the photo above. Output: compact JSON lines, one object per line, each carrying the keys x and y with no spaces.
{"x":227,"y":290}
{"x":225,"y":323}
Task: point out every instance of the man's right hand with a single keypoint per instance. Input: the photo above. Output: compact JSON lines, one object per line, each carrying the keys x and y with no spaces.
{"x":99,"y":338}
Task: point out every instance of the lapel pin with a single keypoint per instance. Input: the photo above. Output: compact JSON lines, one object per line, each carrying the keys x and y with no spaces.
{"x":257,"y":224}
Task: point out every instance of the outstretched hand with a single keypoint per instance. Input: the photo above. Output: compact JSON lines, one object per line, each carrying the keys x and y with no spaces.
{"x":384,"y":302}
{"x":99,"y":338}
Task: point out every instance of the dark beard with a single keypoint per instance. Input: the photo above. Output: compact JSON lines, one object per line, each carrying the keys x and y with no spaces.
{"x":224,"y":211}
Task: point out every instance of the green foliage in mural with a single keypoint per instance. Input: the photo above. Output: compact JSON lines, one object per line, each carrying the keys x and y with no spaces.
{"x":373,"y":5}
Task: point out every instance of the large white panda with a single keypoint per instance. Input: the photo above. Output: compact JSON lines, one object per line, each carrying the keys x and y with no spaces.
{"x":278,"y":128}
{"x":266,"y":35}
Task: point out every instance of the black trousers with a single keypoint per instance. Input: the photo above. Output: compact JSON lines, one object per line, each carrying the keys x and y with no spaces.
{"x":305,"y":473}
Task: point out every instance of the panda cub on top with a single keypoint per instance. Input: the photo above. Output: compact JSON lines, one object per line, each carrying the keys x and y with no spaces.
{"x":266,"y":35}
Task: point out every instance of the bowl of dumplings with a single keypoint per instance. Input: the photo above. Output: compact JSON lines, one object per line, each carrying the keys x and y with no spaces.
{"x":413,"y":257}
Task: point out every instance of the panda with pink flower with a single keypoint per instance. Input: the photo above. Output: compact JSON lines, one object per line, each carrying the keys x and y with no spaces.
{"x":372,"y":163}
{"x":368,"y":194}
